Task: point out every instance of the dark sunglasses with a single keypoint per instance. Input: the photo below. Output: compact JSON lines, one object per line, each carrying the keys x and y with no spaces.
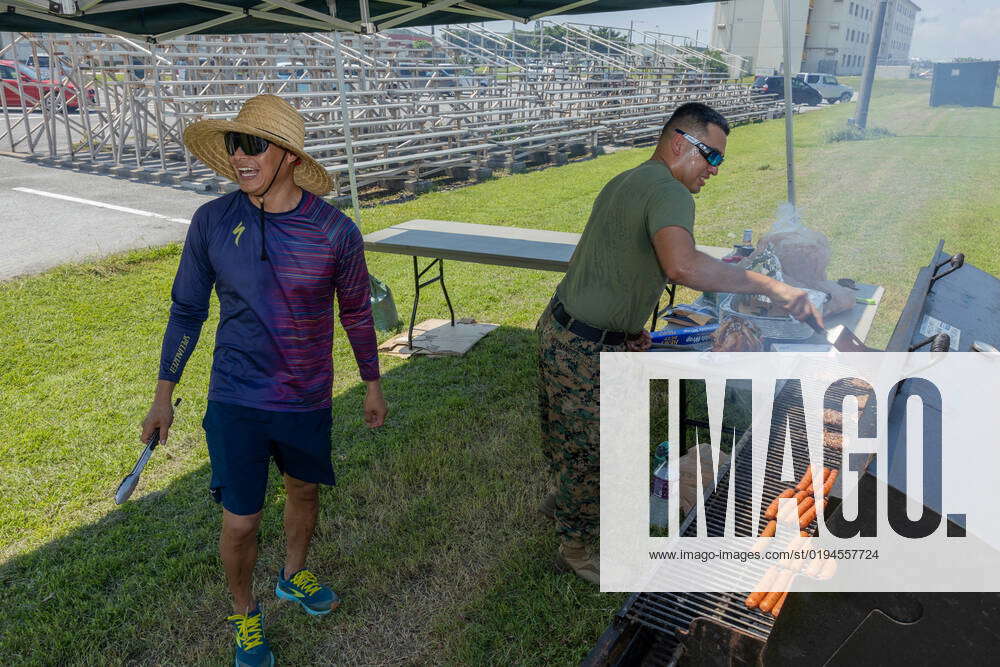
{"x":248,"y":143}
{"x":711,"y":155}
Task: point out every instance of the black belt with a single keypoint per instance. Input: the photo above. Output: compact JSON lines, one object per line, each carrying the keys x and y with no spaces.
{"x":584,"y":330}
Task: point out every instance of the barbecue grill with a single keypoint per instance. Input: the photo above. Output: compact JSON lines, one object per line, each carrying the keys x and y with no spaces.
{"x":950,"y":300}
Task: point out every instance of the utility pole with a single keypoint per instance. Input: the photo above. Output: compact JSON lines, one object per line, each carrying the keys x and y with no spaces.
{"x":868,"y":77}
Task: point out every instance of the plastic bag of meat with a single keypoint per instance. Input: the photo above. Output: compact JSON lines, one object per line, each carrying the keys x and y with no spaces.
{"x":736,"y":334}
{"x":804,"y":253}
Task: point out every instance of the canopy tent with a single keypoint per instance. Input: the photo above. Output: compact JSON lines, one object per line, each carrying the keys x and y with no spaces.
{"x":155,"y":20}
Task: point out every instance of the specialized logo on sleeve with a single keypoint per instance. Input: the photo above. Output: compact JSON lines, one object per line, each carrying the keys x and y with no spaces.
{"x":238,"y":232}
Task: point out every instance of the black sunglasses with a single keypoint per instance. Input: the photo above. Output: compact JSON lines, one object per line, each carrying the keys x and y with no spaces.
{"x":711,"y":155}
{"x":248,"y":143}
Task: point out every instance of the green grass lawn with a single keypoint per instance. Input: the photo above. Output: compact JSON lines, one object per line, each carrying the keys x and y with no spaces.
{"x":431,"y":535}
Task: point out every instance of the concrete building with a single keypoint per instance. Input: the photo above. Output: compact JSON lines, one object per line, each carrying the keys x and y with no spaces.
{"x":827,"y":35}
{"x":897,"y":34}
{"x":750,"y":28}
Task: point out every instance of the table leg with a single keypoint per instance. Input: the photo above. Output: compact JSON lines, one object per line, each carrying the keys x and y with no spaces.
{"x":670,"y":289}
{"x":418,"y":273}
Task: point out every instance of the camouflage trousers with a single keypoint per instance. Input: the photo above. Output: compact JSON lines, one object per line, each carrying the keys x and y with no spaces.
{"x":569,"y":402}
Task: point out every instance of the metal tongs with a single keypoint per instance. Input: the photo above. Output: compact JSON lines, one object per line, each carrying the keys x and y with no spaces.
{"x":840,"y":337}
{"x":128,"y":484}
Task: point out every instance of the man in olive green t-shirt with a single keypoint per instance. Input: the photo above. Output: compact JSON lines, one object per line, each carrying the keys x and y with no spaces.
{"x":639,"y":236}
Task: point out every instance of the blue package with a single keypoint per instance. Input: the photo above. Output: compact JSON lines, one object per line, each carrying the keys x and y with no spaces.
{"x":684,"y":336}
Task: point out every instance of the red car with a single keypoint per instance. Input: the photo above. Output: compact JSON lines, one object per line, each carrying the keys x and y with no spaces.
{"x":34,"y":89}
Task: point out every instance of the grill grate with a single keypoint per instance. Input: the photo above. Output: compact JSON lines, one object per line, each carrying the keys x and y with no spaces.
{"x":671,"y":614}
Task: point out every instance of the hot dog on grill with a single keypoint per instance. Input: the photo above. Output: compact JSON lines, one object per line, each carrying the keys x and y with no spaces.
{"x":806,"y":479}
{"x":779,"y":604}
{"x":771,"y":599}
{"x":772,"y":509}
{"x":761,"y":589}
{"x":829,"y":482}
{"x":807,"y":518}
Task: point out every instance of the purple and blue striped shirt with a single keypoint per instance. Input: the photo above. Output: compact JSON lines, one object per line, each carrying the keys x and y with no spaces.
{"x":273,"y":347}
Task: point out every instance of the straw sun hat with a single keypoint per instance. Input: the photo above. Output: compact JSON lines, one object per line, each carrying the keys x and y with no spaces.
{"x":268,"y":117}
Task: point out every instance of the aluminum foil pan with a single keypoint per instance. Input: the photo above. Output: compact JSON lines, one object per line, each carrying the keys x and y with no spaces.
{"x":776,"y":328}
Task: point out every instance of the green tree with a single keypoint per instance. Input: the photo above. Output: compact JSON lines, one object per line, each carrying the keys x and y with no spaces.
{"x":608,"y":35}
{"x":552,"y":33}
{"x":711,"y":61}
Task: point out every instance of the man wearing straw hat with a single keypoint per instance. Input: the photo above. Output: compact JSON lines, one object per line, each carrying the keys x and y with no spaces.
{"x":276,"y":253}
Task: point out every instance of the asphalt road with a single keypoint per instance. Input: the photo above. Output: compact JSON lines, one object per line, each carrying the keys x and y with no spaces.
{"x":39,"y":231}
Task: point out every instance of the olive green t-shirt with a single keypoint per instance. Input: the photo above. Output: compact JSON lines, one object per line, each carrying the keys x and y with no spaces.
{"x":614,"y":278}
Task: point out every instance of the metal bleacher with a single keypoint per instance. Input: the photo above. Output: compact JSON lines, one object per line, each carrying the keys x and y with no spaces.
{"x":461,"y":101}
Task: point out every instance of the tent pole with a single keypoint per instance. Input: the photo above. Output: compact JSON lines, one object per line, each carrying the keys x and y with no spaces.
{"x":786,"y":31}
{"x":345,"y":116}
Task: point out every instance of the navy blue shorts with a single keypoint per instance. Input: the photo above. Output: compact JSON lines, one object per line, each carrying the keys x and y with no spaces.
{"x":242,"y":441}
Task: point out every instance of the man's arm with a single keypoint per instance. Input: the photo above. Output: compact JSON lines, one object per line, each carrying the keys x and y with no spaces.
{"x":190,"y":295}
{"x":354,"y":298}
{"x":686,"y":265}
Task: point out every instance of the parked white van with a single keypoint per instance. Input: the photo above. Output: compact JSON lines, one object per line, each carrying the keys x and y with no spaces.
{"x":828,"y":86}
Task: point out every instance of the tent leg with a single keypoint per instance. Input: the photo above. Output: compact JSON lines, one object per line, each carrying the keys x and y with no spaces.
{"x":345,"y":116}
{"x":785,"y":14}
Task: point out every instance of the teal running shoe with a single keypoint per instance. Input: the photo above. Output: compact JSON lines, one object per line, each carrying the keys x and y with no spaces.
{"x":251,"y":647}
{"x":302,"y":587}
